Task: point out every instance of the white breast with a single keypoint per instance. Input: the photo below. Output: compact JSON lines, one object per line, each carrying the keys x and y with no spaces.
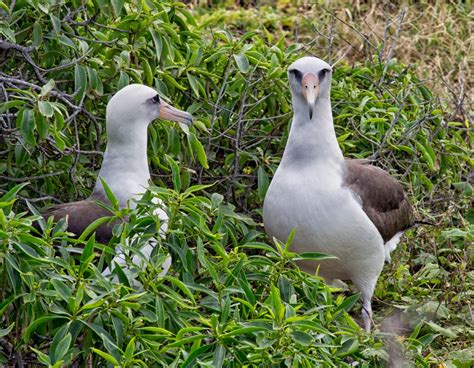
{"x":327,"y":219}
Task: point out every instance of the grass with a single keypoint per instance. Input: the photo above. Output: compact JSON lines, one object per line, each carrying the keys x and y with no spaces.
{"x":436,"y":38}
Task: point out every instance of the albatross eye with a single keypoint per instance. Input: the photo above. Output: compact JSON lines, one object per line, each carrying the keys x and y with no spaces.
{"x":322,"y":74}
{"x":155,"y":99}
{"x":297,"y":74}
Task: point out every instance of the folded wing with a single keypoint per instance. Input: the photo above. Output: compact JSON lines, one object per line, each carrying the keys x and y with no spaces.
{"x":382,"y":197}
{"x":80,"y":215}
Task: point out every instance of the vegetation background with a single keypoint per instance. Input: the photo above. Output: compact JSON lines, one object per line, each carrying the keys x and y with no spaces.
{"x":402,"y":96}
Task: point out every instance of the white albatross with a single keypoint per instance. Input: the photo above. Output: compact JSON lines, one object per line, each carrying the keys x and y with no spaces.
{"x":125,"y":164}
{"x":354,"y":211}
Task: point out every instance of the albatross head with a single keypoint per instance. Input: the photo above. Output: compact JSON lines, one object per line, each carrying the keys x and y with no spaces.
{"x":310,"y":80}
{"x":125,"y":166}
{"x":137,"y":104}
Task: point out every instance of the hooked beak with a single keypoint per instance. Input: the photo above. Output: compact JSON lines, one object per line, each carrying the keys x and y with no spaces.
{"x":168,"y":112}
{"x":310,"y":85}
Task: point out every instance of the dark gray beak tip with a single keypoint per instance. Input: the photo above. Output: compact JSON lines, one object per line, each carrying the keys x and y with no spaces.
{"x":189,"y":119}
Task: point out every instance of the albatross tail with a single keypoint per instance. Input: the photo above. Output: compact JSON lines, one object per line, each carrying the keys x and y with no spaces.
{"x":391,"y":245}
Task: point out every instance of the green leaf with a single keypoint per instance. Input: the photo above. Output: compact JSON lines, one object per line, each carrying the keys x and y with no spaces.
{"x":117,"y":6}
{"x":11,"y":194}
{"x":123,"y":81}
{"x":193,"y":82}
{"x":130,"y":349}
{"x":62,"y":289}
{"x":313,"y":256}
{"x":242,"y":62}
{"x":348,"y":302}
{"x":263,"y":182}
{"x":427,"y":154}
{"x":93,"y":303}
{"x":66,"y":41}
{"x":6,"y":331}
{"x":219,"y":356}
{"x":62,"y":348}
{"x":262,"y":246}
{"x":5,"y":106}
{"x":94,"y":81}
{"x":59,"y":140}
{"x":110,"y":195}
{"x":156,"y":330}
{"x":189,"y":362}
{"x":302,"y":338}
{"x":5,"y":303}
{"x":4,"y":7}
{"x":56,"y":24}
{"x":38,"y":322}
{"x":92,"y":227}
{"x":443,"y":331}
{"x":277,"y":305}
{"x":148,"y":72}
{"x":188,"y":15}
{"x":289,"y":241}
{"x":199,"y":149}
{"x":175,"y":173}
{"x":185,"y":340}
{"x":8,"y":33}
{"x":59,"y":121}
{"x":87,"y":253}
{"x":37,"y":34}
{"x":27,"y":126}
{"x":350,"y":345}
{"x":243,"y":330}
{"x":122,"y":276}
{"x":106,"y":356}
{"x":301,"y":323}
{"x":158,"y":42}
{"x":45,"y":108}
{"x":80,"y":81}
{"x":198,"y":188}
{"x":181,"y":286}
{"x":42,"y":357}
{"x":42,"y":126}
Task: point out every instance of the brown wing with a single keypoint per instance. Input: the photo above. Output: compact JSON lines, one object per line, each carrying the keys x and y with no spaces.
{"x":383,"y":198}
{"x":80,"y":215}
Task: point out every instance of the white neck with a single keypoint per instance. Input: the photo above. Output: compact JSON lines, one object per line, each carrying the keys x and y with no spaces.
{"x":125,"y":165}
{"x":312,"y":140}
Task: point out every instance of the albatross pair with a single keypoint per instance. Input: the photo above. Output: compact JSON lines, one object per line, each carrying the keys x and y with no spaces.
{"x":341,"y":207}
{"x":125,"y":165}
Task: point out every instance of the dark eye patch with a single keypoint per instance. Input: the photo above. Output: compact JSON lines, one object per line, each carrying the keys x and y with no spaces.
{"x":298,"y":75}
{"x":322,"y":73}
{"x":155,"y":99}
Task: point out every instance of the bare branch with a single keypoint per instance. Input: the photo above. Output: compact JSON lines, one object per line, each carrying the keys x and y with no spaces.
{"x":4,"y":45}
{"x":29,"y":178}
{"x":392,"y":47}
